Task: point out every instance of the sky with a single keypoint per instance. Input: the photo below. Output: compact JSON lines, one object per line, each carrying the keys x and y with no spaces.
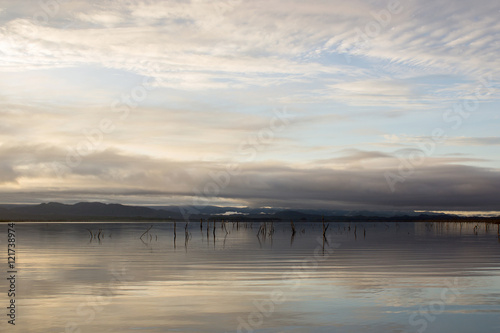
{"x":377,"y":105}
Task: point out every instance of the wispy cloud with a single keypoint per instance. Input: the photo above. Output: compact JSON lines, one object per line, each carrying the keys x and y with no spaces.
{"x":478,"y":141}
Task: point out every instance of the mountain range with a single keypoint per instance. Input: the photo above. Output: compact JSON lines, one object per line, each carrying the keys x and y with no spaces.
{"x":97,"y":211}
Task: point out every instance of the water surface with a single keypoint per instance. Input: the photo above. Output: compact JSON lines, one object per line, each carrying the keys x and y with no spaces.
{"x":363,"y":277}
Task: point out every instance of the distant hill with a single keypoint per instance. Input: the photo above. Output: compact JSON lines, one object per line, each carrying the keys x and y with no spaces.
{"x":97,"y":211}
{"x":83,"y":211}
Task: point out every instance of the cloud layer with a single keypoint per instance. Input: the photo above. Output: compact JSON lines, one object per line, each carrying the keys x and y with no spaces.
{"x":316,"y":103}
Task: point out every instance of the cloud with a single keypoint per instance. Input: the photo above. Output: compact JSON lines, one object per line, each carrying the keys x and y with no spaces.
{"x":376,"y":92}
{"x":437,"y":185}
{"x":245,"y":38}
{"x":100,"y":18}
{"x":220,"y":67}
{"x":477,"y":141}
{"x":354,"y":158}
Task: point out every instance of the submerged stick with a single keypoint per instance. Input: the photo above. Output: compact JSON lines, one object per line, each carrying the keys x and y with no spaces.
{"x":145,"y":232}
{"x":324,"y":228}
{"x":175,"y":233}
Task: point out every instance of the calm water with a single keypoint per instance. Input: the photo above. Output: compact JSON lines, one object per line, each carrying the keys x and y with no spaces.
{"x":383,"y":278}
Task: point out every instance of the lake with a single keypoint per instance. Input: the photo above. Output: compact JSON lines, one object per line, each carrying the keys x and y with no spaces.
{"x":361,"y":277}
